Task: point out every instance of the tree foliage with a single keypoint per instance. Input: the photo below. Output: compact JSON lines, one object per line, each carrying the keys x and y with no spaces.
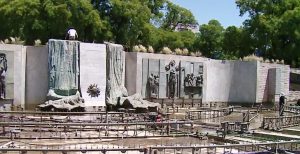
{"x":210,"y":37}
{"x":126,"y":22}
{"x":177,"y":15}
{"x":44,"y":19}
{"x":274,"y":27}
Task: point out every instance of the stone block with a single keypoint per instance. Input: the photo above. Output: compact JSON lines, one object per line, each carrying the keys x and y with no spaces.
{"x":93,"y":73}
{"x":36,"y":76}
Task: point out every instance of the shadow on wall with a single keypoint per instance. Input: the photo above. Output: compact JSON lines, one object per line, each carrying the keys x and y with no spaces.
{"x":243,"y":82}
{"x":36,"y":76}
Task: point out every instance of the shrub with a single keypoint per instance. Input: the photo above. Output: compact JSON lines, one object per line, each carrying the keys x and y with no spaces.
{"x":37,"y":42}
{"x":253,"y":58}
{"x":142,"y":48}
{"x":185,"y":52}
{"x":196,"y":54}
{"x":267,"y":61}
{"x":178,"y":51}
{"x":136,"y":49}
{"x":150,"y":49}
{"x":166,"y":50}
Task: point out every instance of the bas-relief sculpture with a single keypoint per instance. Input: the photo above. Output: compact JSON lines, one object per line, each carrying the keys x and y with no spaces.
{"x":3,"y":70}
{"x":7,"y":75}
{"x":153,"y":82}
{"x":193,"y":84}
{"x":172,"y":79}
{"x":193,"y":81}
{"x":93,"y":90}
{"x":182,"y":80}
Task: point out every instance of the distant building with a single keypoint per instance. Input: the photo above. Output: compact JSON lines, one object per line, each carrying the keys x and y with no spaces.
{"x":192,"y":27}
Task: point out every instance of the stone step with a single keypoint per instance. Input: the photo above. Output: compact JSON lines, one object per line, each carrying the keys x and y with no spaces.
{"x":242,"y":140}
{"x":291,"y":131}
{"x":276,"y":135}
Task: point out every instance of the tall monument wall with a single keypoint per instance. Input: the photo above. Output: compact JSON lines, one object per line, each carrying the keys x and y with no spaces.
{"x":162,"y":76}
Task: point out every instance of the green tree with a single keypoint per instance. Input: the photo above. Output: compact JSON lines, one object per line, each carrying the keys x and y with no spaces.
{"x":188,"y":38}
{"x":156,"y":7}
{"x":236,"y":42}
{"x":18,"y":17}
{"x":176,"y":15}
{"x":44,"y":19}
{"x":209,"y":39}
{"x":124,"y":22}
{"x":232,"y":40}
{"x":274,"y":27}
{"x":130,"y":21}
{"x":103,"y":6}
{"x":86,"y":20}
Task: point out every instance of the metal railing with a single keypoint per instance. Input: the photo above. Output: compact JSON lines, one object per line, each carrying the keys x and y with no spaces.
{"x":276,"y":147}
{"x":208,"y":113}
{"x":280,"y":122}
{"x":44,"y":130}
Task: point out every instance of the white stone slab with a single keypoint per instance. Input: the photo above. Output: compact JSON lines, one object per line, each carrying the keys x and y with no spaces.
{"x":93,"y":71}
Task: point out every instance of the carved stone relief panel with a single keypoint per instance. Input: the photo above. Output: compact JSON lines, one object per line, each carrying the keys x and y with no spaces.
{"x":6,"y":75}
{"x":151,"y":78}
{"x":193,"y":80}
{"x":171,"y":79}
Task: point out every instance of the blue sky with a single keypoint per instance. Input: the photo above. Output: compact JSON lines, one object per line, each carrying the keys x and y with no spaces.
{"x":225,"y":11}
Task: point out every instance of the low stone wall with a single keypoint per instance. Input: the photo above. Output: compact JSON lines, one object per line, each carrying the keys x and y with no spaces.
{"x":264,"y":81}
{"x":230,"y":81}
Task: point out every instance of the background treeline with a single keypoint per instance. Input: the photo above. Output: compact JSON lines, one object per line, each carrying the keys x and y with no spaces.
{"x":271,"y":31}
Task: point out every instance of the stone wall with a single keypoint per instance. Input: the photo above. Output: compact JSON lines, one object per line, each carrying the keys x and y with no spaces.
{"x":224,"y":81}
{"x":134,"y":69}
{"x":264,"y":79}
{"x":230,"y":81}
{"x":92,"y":70}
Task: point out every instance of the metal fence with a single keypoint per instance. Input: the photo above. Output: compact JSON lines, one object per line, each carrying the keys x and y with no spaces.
{"x":274,"y":147}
